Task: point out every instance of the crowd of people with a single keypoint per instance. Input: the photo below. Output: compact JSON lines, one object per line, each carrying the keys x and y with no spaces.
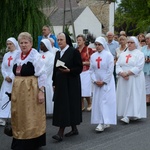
{"x":57,"y":78}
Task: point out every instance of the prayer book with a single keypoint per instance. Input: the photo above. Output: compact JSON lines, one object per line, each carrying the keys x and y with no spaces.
{"x":60,"y":63}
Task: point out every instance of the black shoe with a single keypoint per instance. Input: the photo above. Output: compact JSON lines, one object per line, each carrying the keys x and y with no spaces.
{"x":148,"y":103}
{"x":57,"y":137}
{"x":71,"y":133}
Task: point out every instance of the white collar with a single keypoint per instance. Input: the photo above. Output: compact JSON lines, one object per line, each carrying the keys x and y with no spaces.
{"x":46,"y":37}
{"x":63,"y":50}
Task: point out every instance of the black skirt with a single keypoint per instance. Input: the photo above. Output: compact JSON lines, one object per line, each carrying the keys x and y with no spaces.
{"x":29,"y":144}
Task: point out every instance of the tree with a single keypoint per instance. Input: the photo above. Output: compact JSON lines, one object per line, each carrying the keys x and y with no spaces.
{"x":21,"y":15}
{"x":133,"y":16}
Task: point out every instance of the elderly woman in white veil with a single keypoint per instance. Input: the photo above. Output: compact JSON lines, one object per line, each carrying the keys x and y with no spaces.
{"x":104,"y":97}
{"x":6,"y":70}
{"x":48,"y":59}
{"x":131,"y":99}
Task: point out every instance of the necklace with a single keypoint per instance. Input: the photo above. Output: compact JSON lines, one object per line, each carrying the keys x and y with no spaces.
{"x":25,"y":56}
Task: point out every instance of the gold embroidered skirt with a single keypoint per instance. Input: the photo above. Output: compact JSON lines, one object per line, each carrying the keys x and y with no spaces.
{"x":27,"y":114}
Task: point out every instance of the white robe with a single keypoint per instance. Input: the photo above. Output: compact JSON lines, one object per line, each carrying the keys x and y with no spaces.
{"x":104,"y":98}
{"x":48,"y":59}
{"x":131,"y":96}
{"x":86,"y":84}
{"x":54,"y":50}
{"x":6,"y":69}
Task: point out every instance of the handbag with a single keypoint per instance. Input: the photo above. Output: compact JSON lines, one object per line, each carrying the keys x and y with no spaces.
{"x":8,"y":128}
{"x":5,"y":105}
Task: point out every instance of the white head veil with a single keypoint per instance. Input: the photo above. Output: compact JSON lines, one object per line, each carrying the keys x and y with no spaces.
{"x":102,"y":41}
{"x":15,"y":42}
{"x":52,"y":40}
{"x":133,"y":38}
{"x":47,"y":43}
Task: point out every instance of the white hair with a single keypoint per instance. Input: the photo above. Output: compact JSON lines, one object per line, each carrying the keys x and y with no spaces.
{"x":147,"y":35}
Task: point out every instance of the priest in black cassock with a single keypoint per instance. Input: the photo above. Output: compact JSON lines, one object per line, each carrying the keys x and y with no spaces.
{"x":67,"y":88}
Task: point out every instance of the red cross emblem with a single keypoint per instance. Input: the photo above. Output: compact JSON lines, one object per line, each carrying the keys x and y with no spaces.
{"x":98,"y":62}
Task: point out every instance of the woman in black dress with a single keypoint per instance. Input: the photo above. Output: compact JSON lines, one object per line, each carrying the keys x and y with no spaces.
{"x":67,"y":88}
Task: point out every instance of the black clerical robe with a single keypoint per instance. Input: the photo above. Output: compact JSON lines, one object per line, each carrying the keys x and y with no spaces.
{"x":67,"y":93}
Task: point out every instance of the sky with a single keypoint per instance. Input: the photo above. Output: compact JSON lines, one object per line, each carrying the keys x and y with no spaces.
{"x":116,"y":4}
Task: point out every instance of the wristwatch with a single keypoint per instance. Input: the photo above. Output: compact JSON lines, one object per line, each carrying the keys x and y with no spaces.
{"x":94,"y":82}
{"x":42,"y":90}
{"x":105,"y":83}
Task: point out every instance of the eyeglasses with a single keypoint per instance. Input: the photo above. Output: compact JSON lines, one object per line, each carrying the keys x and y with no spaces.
{"x":122,"y":35}
{"x":98,"y":44}
{"x":130,"y":42}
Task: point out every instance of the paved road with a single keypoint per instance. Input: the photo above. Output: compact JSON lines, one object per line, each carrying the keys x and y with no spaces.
{"x":135,"y":136}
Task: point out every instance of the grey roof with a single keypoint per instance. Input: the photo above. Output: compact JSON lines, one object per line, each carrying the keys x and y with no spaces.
{"x":56,"y":18}
{"x":60,"y":3}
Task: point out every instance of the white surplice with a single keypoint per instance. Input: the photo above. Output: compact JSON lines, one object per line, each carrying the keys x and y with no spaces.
{"x":6,"y":69}
{"x":48,"y":59}
{"x":104,"y":98}
{"x":131,"y":96}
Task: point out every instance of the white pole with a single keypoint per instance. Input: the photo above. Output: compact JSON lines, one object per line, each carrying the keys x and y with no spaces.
{"x":111,"y":16}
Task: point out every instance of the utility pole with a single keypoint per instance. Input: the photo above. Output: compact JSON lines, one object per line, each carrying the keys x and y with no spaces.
{"x":64,"y":15}
{"x":72,"y":20}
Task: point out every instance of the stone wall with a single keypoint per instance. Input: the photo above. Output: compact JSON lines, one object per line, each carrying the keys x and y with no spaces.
{"x":100,"y":9}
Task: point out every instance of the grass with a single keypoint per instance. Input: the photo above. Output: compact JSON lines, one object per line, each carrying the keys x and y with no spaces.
{"x":2,"y":52}
{"x":1,"y":79}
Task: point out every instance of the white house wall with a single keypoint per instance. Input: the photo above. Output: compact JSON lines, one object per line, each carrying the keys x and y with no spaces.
{"x":57,"y":29}
{"x":87,"y":20}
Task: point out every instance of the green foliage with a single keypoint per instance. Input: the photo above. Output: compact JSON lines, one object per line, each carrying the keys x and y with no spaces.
{"x":66,"y":30}
{"x":2,"y":52}
{"x":1,"y":79}
{"x":21,"y":15}
{"x":91,"y":38}
{"x":133,"y":13}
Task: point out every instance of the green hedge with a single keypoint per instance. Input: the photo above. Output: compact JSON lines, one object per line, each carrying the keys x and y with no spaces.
{"x":1,"y":79}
